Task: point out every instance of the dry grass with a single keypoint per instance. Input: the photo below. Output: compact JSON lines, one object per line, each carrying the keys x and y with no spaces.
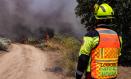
{"x":68,"y":48}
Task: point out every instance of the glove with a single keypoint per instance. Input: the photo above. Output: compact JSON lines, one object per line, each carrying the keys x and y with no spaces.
{"x":78,"y":74}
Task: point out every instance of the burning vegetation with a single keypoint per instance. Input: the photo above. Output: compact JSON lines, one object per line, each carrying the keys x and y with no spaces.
{"x":25,"y":35}
{"x":51,"y":25}
{"x":26,"y":21}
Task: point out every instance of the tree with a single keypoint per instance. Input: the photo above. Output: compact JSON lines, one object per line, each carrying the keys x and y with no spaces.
{"x":122,"y":21}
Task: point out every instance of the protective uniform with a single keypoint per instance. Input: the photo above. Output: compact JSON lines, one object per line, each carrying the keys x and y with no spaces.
{"x":100,"y":49}
{"x":104,"y":58}
{"x":90,"y":41}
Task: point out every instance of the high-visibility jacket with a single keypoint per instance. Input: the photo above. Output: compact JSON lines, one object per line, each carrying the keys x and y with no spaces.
{"x":104,"y":58}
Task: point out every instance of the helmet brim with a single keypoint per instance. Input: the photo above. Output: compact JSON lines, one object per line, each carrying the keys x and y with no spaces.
{"x":104,"y":17}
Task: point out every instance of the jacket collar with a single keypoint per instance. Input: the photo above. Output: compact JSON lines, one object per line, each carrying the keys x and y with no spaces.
{"x":105,"y":25}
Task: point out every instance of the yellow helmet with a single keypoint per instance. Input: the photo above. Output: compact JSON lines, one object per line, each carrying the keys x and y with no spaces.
{"x":104,"y":11}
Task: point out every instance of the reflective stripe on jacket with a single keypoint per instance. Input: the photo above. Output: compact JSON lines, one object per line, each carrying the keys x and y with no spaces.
{"x":90,"y":41}
{"x":104,"y":58}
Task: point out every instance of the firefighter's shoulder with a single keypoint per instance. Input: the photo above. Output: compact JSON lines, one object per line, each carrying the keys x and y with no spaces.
{"x":92,"y":33}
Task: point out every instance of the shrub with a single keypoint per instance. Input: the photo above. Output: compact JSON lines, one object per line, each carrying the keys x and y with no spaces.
{"x":67,"y":48}
{"x":69,"y":52}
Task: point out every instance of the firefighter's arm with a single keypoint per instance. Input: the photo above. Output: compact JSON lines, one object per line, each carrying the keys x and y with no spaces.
{"x":84,"y":57}
{"x":82,"y":65}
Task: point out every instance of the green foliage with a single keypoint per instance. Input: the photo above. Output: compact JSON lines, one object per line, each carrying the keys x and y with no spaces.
{"x":122,"y":21}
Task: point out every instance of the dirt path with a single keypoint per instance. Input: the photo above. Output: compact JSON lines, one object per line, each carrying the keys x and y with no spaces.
{"x":28,"y":62}
{"x":25,"y":62}
{"x":124,"y":73}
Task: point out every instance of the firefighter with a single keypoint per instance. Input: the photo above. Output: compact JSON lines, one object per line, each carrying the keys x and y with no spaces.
{"x":99,"y":53}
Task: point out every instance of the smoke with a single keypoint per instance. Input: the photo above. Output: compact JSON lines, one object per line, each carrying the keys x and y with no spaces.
{"x":20,"y":18}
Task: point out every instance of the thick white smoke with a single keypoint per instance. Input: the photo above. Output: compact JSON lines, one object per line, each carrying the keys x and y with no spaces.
{"x":60,"y":12}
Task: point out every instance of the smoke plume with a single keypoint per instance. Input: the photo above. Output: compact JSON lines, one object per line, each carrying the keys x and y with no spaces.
{"x":23,"y":18}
